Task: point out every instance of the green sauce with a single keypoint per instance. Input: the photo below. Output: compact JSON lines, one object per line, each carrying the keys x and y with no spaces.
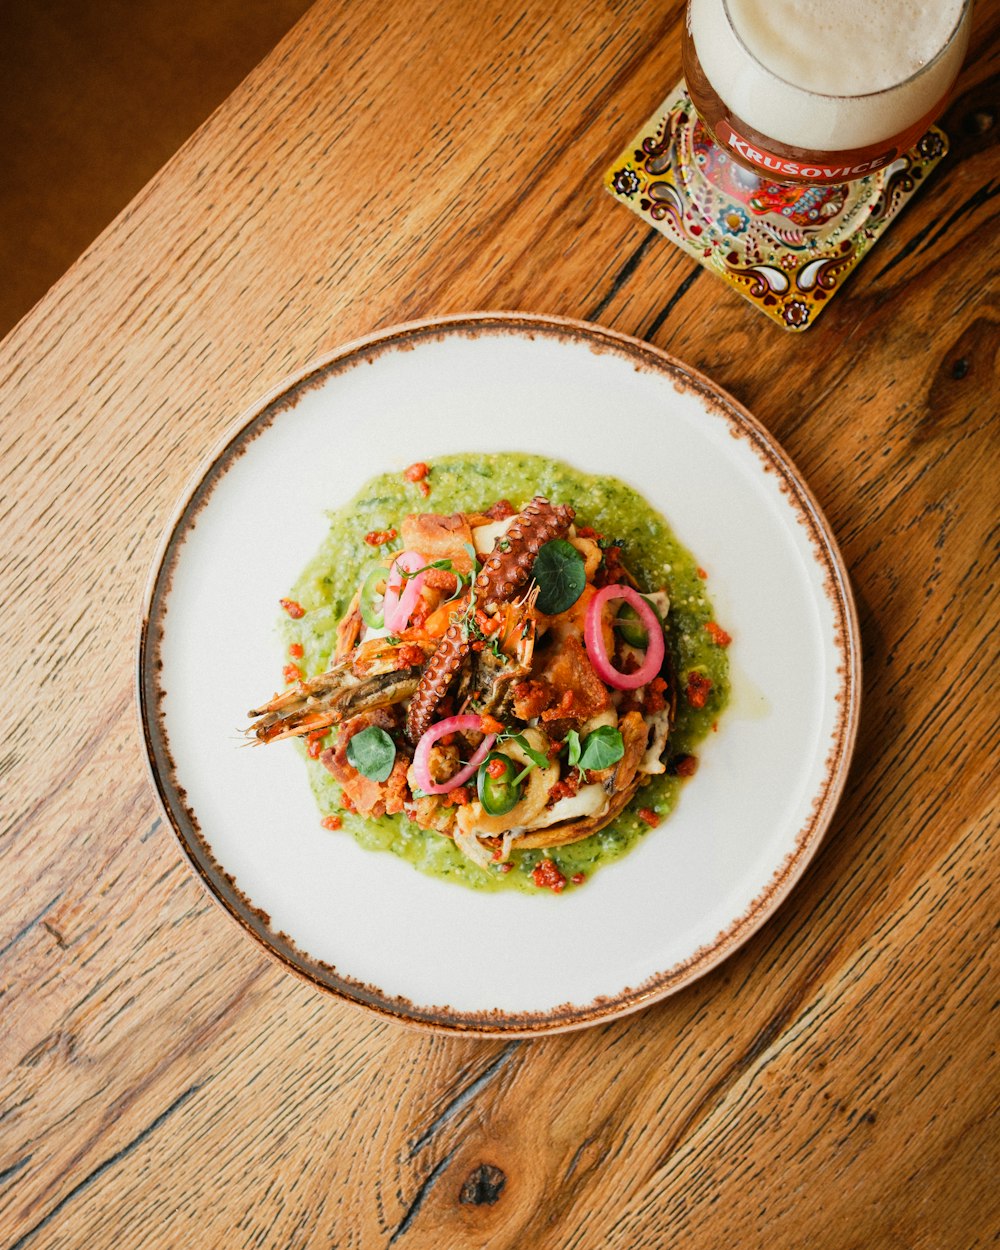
{"x":468,"y":483}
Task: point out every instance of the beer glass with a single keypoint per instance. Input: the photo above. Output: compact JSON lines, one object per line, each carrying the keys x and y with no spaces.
{"x":811,"y":93}
{"x":799,"y":132}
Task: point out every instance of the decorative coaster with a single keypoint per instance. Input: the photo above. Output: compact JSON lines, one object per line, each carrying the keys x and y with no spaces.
{"x":786,"y":248}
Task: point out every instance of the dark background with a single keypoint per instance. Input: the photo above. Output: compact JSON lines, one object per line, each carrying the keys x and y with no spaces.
{"x":95,"y":95}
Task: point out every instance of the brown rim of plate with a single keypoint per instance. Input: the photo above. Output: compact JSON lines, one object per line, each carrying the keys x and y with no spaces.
{"x":279,"y":945}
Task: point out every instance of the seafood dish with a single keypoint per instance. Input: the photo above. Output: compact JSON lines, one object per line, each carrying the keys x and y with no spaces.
{"x":503,"y":681}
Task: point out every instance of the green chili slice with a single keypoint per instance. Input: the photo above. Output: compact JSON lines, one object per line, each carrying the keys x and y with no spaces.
{"x":369,"y":589}
{"x":498,"y":794}
{"x":629,"y":626}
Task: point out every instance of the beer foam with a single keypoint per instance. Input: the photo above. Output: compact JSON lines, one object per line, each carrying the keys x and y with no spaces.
{"x":799,"y":71}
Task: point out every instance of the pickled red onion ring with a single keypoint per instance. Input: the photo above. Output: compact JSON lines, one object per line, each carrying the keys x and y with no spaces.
{"x":593,"y":635}
{"x":422,"y":755}
{"x":397,"y":608}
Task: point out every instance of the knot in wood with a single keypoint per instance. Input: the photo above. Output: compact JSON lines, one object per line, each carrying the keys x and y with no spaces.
{"x":483,"y":1186}
{"x":979,"y":121}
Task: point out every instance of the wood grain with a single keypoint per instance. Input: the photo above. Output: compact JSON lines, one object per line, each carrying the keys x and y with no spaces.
{"x":835,"y":1083}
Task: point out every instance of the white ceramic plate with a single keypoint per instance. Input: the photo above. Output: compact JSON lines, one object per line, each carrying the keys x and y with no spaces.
{"x":367,"y":926}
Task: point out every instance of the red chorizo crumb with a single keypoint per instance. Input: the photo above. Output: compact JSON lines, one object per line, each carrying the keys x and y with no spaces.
{"x":314,"y":744}
{"x":296,"y":650}
{"x":457,"y":797}
{"x":294,"y":610}
{"x":409,"y":655}
{"x":655,"y":700}
{"x":490,"y":725}
{"x":685,"y":765}
{"x":531,"y":698}
{"x":505,"y":867}
{"x":578,"y":878}
{"x":425,"y":489}
{"x":611,"y":571}
{"x":416,"y":472}
{"x":701,"y":573}
{"x":718,"y":634}
{"x":548,"y":877}
{"x":565,"y":788}
{"x":565,"y":708}
{"x":649,"y":816}
{"x":291,"y":672}
{"x":379,"y":538}
{"x":488,"y":624}
{"x":421,"y":611}
{"x":331,"y":822}
{"x":698,"y":687}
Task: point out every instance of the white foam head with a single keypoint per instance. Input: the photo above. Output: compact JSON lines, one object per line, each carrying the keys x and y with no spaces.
{"x":804,"y":71}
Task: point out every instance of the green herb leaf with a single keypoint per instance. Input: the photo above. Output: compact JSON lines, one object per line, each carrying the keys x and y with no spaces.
{"x":573,"y":743}
{"x":476,"y":566}
{"x":426,"y":568}
{"x":560,"y":575}
{"x":372,"y":752}
{"x":462,"y":580}
{"x":601,"y":749}
{"x":538,"y":758}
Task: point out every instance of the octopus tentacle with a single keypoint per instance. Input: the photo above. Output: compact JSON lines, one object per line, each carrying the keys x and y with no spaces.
{"x":435,"y":680}
{"x":505,"y":571}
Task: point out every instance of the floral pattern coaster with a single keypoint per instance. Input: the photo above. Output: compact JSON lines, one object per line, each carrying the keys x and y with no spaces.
{"x":787,"y":249}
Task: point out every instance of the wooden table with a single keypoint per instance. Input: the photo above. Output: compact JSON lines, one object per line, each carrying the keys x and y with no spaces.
{"x":833,"y":1084}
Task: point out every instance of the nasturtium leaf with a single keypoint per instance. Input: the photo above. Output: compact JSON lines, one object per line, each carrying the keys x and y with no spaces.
{"x":602,"y":748}
{"x":372,"y":752}
{"x":560,"y":575}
